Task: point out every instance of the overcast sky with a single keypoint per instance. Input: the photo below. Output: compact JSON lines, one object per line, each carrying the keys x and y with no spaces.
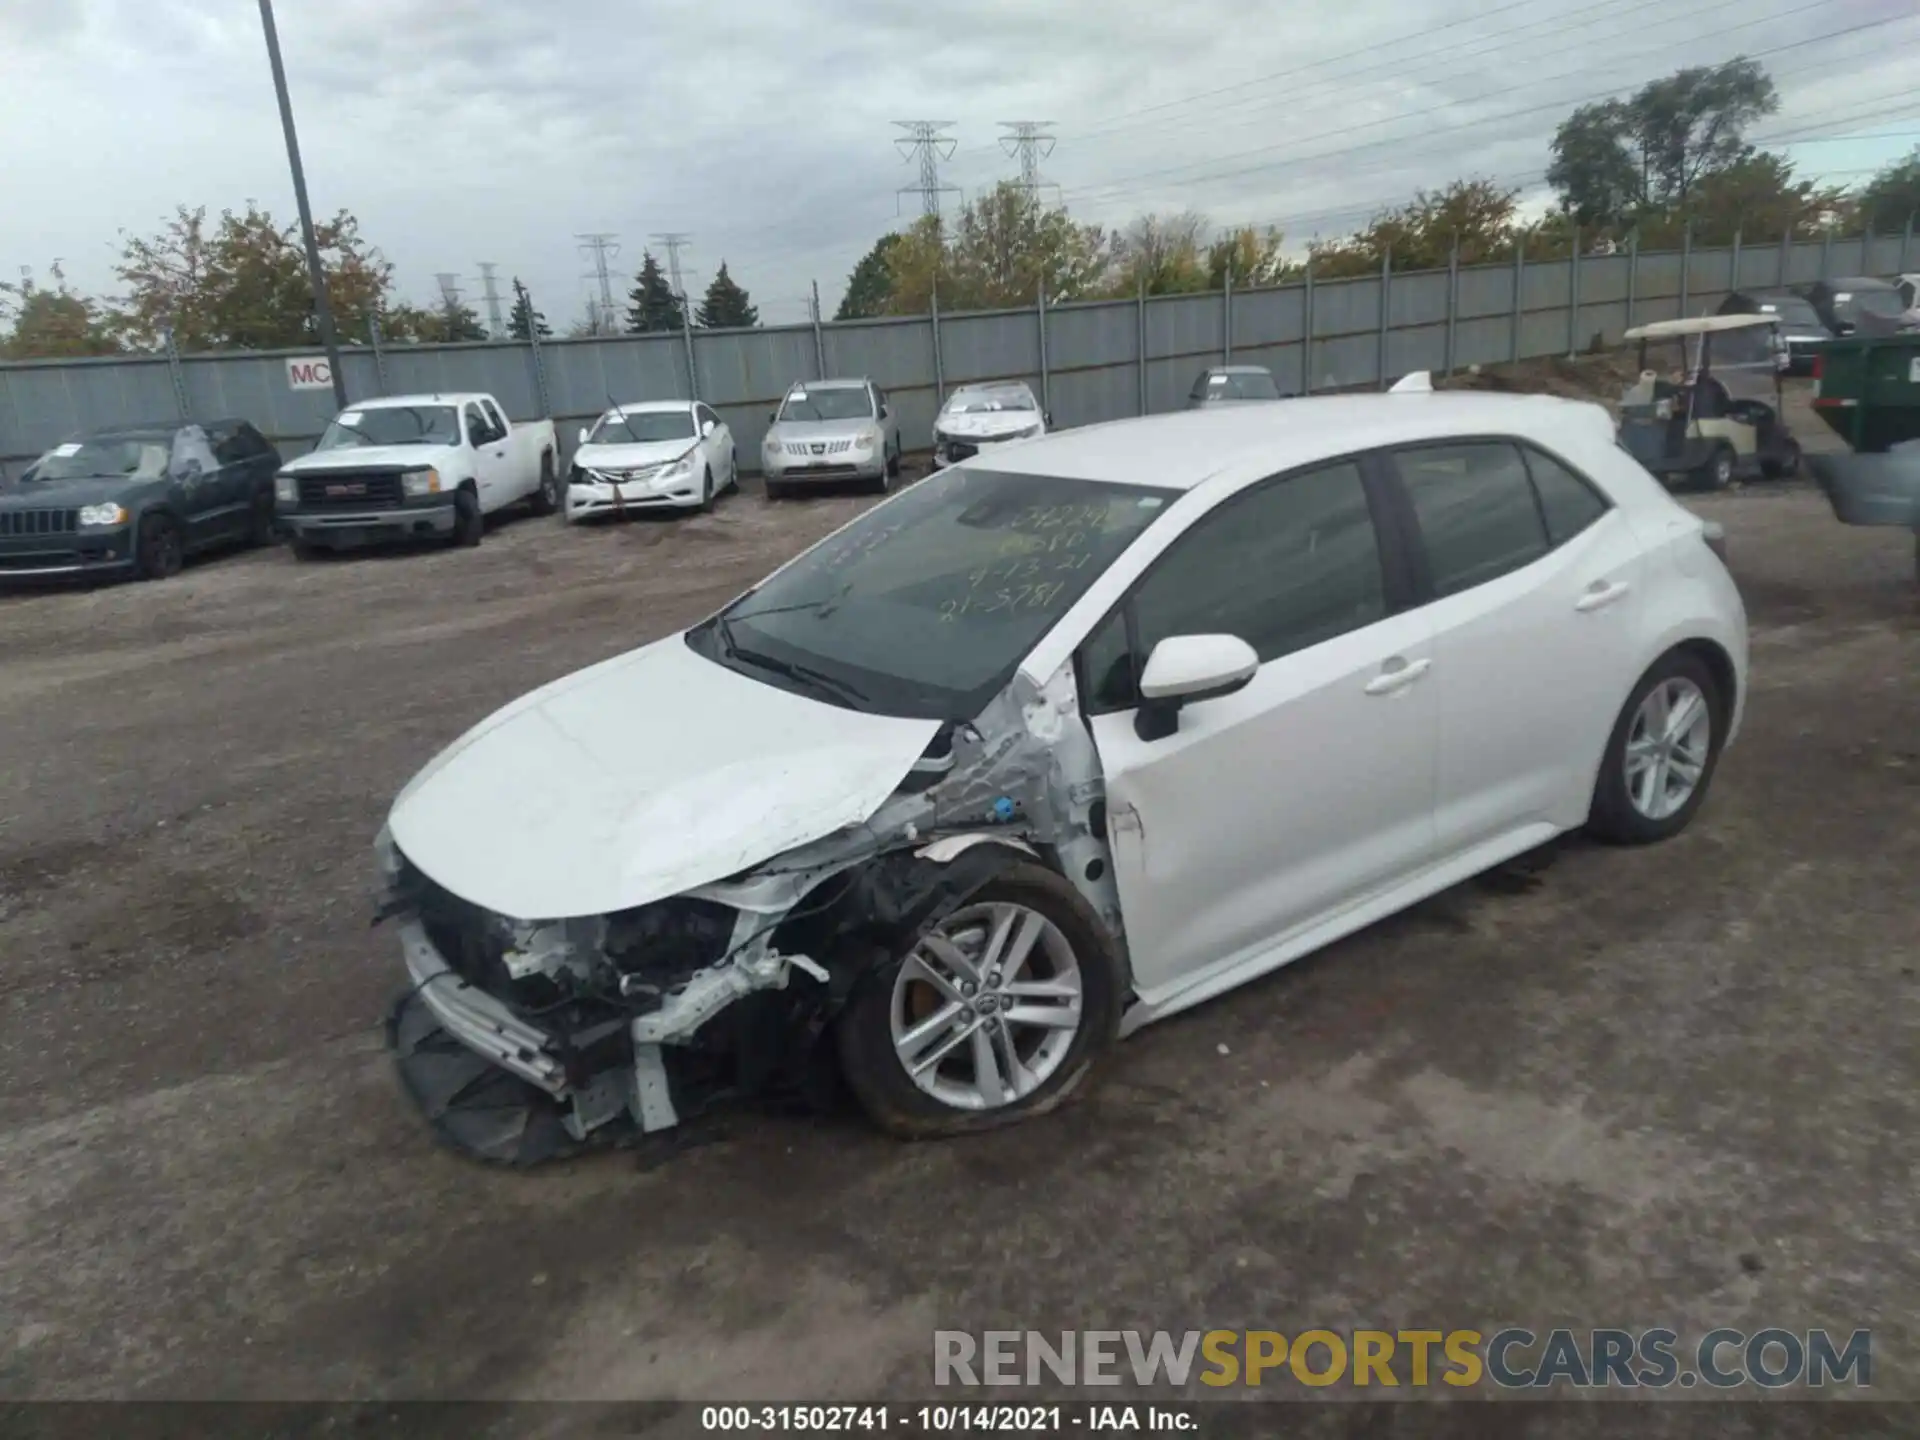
{"x":462,"y":131}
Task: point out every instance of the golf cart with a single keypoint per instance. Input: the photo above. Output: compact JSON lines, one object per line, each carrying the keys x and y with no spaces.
{"x":1713,"y":412}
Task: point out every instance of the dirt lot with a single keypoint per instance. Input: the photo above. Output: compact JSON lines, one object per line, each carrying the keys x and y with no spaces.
{"x":1678,"y":1086}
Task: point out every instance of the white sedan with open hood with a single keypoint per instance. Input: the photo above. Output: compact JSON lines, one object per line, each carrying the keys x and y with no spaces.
{"x":978,"y":416}
{"x":1047,"y":747}
{"x":661,"y":455}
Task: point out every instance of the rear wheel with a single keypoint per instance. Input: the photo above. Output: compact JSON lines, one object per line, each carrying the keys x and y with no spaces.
{"x":260,"y":521}
{"x":1662,"y":753}
{"x":995,"y":1012}
{"x":469,"y":525}
{"x":159,"y":548}
{"x":546,"y":499}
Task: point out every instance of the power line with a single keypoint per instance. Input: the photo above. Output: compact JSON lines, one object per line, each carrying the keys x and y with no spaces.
{"x":496,"y":325}
{"x":604,"y":247}
{"x":1029,"y":142}
{"x":926,"y":141}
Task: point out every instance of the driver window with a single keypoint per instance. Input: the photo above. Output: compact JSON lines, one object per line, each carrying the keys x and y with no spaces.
{"x":496,"y":422}
{"x":478,"y":432}
{"x":1287,"y":565}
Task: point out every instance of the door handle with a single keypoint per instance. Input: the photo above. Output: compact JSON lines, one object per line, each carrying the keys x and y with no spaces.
{"x":1602,"y":593}
{"x":1396,"y":674}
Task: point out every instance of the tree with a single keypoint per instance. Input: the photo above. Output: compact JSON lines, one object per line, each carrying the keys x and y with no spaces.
{"x":655,"y":307}
{"x":1892,"y":196}
{"x":726,"y":306}
{"x":405,"y":324}
{"x":1164,"y":254}
{"x":526,"y":322}
{"x":1251,"y":256}
{"x":1757,"y":197}
{"x":870,"y":286}
{"x":243,"y":284}
{"x":1477,"y":214}
{"x":56,"y":322}
{"x":1618,"y":162}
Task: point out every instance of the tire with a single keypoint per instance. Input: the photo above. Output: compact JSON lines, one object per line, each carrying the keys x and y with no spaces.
{"x":546,"y":499}
{"x":733,"y":472}
{"x":893,"y":464}
{"x":1786,"y":465}
{"x":469,"y":525}
{"x":1621,"y":813}
{"x":260,"y":522}
{"x":1717,"y":473}
{"x":159,"y":549}
{"x":895,"y":998}
{"x":778,"y":490}
{"x":706,"y":491}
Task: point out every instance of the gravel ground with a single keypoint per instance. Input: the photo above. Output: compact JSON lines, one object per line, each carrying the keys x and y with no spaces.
{"x":1674,"y":1086}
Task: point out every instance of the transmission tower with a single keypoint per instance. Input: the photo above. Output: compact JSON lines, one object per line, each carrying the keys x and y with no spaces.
{"x":926,"y":142}
{"x":673,"y":242}
{"x":1029,"y":142}
{"x":604,"y":248}
{"x":496,"y":325}
{"x":449,"y":289}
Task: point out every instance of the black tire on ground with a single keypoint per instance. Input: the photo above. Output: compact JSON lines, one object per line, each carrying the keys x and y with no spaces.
{"x":1785,"y":465}
{"x":864,"y":1035}
{"x":469,"y":525}
{"x":1613,"y":816}
{"x":159,"y":549}
{"x":546,"y":499}
{"x":733,"y":472}
{"x":706,"y":491}
{"x":260,"y":521}
{"x":1718,"y":472}
{"x":893,"y":463}
{"x":777,"y":490}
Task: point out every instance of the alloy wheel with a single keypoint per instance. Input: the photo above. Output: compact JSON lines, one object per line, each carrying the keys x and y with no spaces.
{"x":1668,"y":745}
{"x":986,"y":1006}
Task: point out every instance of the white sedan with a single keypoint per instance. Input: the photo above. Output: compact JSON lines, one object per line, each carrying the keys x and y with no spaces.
{"x":977,"y":417}
{"x":1052,"y":745}
{"x":660,"y":455}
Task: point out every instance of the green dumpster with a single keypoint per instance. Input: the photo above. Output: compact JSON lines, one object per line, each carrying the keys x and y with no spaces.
{"x":1867,"y":390}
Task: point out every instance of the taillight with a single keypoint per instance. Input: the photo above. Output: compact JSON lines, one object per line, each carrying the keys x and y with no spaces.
{"x":1819,"y":364}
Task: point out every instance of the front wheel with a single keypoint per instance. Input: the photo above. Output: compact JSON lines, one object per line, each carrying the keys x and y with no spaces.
{"x":1662,"y":753}
{"x":260,"y":522}
{"x":469,"y":525}
{"x":778,"y":489}
{"x":733,"y":472}
{"x":706,"y":492}
{"x":159,"y":549}
{"x":996,"y":1011}
{"x":1717,"y":473}
{"x":1786,"y":464}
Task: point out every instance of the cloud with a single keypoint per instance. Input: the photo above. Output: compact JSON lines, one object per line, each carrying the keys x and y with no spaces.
{"x":498,"y":130}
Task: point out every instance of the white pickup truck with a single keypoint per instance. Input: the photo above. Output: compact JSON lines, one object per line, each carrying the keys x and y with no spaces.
{"x":406,"y":466}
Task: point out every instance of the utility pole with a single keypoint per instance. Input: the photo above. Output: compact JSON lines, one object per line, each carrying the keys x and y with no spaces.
{"x":1029,"y":142}
{"x":673,"y":242}
{"x":496,"y":323}
{"x":603,"y":247}
{"x":449,"y":284}
{"x":927,"y":142}
{"x":316,"y":273}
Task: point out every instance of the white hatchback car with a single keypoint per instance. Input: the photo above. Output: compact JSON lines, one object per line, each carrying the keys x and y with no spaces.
{"x":1049,"y":746}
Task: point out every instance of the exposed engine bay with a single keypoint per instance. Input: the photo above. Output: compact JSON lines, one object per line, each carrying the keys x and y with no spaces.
{"x":526,"y":1040}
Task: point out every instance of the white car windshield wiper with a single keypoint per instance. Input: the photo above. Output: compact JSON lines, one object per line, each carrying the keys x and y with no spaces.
{"x":806,"y":674}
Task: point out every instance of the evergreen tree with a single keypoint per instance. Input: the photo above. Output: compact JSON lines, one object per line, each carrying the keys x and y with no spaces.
{"x":655,"y":306}
{"x":870,"y":286}
{"x":526,"y":320}
{"x":726,"y":306}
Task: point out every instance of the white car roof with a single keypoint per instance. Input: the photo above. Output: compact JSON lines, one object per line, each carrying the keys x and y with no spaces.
{"x":653,"y":407}
{"x":395,"y":402}
{"x":1699,"y":325}
{"x":1179,"y":451}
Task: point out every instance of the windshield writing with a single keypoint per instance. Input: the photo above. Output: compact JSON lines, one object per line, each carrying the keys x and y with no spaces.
{"x":836,"y":404}
{"x":133,"y":458}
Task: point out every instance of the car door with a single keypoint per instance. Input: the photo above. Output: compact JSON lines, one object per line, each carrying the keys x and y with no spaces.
{"x":1535,"y":586}
{"x":205,"y":497}
{"x":1303,"y":792}
{"x":490,"y":458}
{"x":237,"y":460}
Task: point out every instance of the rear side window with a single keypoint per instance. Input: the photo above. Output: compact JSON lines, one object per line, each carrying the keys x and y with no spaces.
{"x":1568,"y":503}
{"x":1475,"y":507}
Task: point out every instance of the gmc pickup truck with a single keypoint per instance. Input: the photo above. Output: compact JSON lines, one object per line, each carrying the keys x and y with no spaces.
{"x":408,"y":466}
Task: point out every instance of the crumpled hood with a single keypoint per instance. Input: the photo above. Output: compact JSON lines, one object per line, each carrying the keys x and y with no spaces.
{"x":632,"y":455}
{"x":367,"y":457}
{"x":641,"y":777}
{"x":986,"y":424}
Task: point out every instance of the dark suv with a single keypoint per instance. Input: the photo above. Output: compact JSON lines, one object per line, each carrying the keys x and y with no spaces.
{"x":139,"y":498}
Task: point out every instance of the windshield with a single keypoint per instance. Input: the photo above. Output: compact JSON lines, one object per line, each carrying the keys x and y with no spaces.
{"x":925,"y":605}
{"x":1793,"y":311}
{"x":1253,"y":385}
{"x":982,"y":402}
{"x":1883,"y":303}
{"x":132,"y":457}
{"x":393,"y":425}
{"x":841,"y":402}
{"x":642,"y":427}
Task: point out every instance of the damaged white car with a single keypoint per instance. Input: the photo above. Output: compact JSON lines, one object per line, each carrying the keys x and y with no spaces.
{"x":1042,"y":750}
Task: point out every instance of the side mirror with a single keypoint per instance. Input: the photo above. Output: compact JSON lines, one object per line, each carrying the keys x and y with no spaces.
{"x":886,"y":411}
{"x":706,"y":428}
{"x":191,"y":469}
{"x":773,"y":417}
{"x":1047,"y":419}
{"x":1186,"y":669}
{"x":583,"y":434}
